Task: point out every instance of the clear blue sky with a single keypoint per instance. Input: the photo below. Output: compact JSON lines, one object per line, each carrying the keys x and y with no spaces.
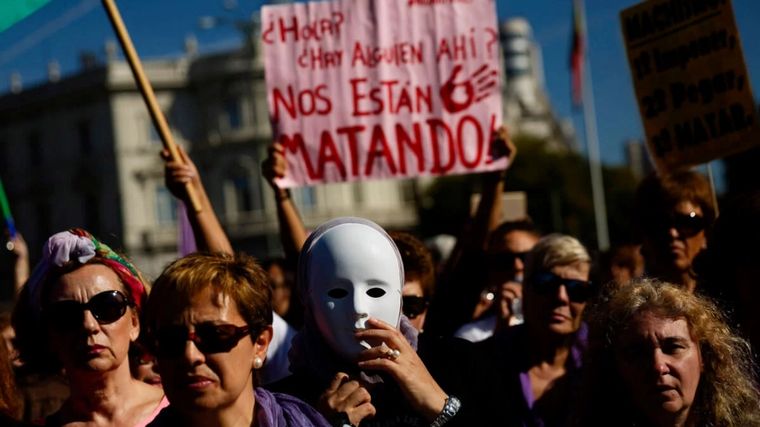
{"x":64,"y":28}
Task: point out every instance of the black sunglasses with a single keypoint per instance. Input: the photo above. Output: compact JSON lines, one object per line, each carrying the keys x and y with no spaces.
{"x":208,"y":337}
{"x":413,"y":306}
{"x":687,"y":225}
{"x":548,"y":283}
{"x":107,"y":307}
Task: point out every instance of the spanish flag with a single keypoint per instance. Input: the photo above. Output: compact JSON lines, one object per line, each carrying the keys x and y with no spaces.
{"x":12,"y":11}
{"x":577,"y":53}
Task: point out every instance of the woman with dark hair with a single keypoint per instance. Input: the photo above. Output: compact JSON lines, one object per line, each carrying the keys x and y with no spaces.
{"x":659,"y":355}
{"x":80,"y":311}
{"x":210,"y":316}
{"x":419,"y":277}
{"x":672,"y":214}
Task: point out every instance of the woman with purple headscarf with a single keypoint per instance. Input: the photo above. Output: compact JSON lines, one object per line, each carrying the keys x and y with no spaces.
{"x":79,"y":312}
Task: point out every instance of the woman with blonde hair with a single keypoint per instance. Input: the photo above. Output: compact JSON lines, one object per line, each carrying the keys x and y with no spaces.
{"x":660,"y":355}
{"x":529,"y":374}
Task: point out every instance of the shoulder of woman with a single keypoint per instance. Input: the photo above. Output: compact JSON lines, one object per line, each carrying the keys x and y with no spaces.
{"x":149,"y":394}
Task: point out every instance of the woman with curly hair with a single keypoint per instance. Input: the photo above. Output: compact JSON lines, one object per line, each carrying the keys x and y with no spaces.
{"x":10,"y":399}
{"x":661,"y":356}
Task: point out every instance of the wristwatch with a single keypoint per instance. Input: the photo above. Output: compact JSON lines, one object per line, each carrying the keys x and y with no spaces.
{"x":341,"y":420}
{"x":450,"y":408}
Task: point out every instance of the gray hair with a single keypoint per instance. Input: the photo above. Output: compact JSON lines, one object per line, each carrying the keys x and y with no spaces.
{"x":555,"y":250}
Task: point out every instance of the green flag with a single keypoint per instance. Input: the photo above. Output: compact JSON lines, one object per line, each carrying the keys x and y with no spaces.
{"x":12,"y":11}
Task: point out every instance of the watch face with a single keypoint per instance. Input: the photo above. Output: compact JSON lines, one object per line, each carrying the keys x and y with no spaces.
{"x":450,"y":408}
{"x":354,"y":273}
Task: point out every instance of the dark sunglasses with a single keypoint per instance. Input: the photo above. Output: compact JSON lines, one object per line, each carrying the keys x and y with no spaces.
{"x":413,"y":306}
{"x":687,"y":225}
{"x":107,"y":307}
{"x":548,"y":283}
{"x":208,"y":337}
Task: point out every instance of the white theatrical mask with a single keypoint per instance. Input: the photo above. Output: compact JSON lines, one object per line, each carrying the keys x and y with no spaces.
{"x":354,"y":272}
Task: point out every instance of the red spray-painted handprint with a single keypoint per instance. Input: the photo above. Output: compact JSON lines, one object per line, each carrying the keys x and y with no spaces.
{"x":477,"y":87}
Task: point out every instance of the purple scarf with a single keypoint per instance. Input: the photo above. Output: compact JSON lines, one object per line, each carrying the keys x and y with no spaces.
{"x":283,"y":410}
{"x":273,"y":410}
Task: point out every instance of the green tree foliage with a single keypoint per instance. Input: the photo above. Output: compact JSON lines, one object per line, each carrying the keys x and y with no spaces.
{"x":558,"y":189}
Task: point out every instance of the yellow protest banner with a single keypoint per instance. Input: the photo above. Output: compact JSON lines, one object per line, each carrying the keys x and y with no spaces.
{"x":690,"y":79}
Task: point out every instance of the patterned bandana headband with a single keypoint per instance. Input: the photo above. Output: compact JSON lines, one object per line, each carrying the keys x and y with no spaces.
{"x":77,"y":247}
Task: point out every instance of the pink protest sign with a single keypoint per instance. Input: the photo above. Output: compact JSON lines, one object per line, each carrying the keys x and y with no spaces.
{"x":362,"y":89}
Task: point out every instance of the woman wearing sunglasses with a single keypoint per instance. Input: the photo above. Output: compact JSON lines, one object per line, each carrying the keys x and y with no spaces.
{"x":79,"y":311}
{"x":419,"y":277}
{"x":673,"y":214}
{"x":210,"y":317}
{"x":527,"y":374}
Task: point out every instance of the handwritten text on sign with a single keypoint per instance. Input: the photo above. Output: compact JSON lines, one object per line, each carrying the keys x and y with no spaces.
{"x":362,"y":89}
{"x":690,"y":79}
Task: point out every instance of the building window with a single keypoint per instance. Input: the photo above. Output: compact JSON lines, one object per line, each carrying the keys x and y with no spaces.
{"x":166,"y":206}
{"x":84,"y":135}
{"x":153,"y":137}
{"x":233,"y":113}
{"x":237,"y":192}
{"x":35,"y":148}
{"x":358,"y":190}
{"x":242,"y":190}
{"x":307,"y":197}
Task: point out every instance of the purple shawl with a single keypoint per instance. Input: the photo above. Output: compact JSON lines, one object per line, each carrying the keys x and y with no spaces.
{"x":273,"y":410}
{"x":283,"y":410}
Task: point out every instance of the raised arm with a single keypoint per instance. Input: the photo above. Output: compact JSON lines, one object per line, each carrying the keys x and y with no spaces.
{"x":292,"y":231}
{"x":458,"y":291}
{"x":209,"y":235}
{"x":488,"y":214}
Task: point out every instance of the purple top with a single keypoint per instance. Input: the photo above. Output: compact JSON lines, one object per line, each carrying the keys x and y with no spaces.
{"x":275,"y":410}
{"x":576,"y":358}
{"x":283,"y":410}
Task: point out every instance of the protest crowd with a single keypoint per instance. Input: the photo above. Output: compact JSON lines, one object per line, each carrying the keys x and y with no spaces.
{"x":507,"y":329}
{"x":358,"y":325}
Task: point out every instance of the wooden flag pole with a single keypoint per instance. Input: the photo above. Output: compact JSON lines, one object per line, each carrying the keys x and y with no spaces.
{"x":147,"y":92}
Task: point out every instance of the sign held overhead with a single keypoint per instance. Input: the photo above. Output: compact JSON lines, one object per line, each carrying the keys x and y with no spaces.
{"x":362,"y":89}
{"x":690,"y":80}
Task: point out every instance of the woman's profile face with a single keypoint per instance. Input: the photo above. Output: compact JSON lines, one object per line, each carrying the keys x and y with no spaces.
{"x":79,"y":340}
{"x":660,"y":365}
